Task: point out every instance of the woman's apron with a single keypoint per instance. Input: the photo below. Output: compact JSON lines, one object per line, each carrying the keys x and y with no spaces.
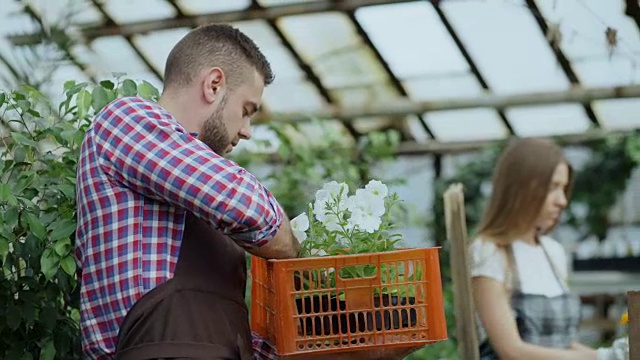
{"x":541,"y":320}
{"x":198,"y":314}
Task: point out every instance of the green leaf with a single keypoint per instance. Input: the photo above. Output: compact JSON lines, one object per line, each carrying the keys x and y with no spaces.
{"x":148,"y":91}
{"x":22,"y":140}
{"x":83,"y":102}
{"x":68,"y":190}
{"x":5,"y":191}
{"x":68,"y":264}
{"x":14,"y":317}
{"x":11,"y":217}
{"x":29,"y":312}
{"x":4,"y":248}
{"x":61,"y":229}
{"x":62,"y":247}
{"x":3,"y":98}
{"x":24,"y":105}
{"x":69,"y":84}
{"x":49,"y":262}
{"x":27,"y":356}
{"x":19,"y":154}
{"x":107,"y":84}
{"x":48,"y":317}
{"x":48,"y":351}
{"x":100,"y":98}
{"x":129,"y":88}
{"x":36,"y":226}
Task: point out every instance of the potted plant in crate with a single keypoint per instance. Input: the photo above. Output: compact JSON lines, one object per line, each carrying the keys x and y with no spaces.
{"x":351,"y":288}
{"x":339,"y":223}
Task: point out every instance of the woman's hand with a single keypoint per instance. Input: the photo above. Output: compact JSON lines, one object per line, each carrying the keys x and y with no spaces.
{"x":585,"y":351}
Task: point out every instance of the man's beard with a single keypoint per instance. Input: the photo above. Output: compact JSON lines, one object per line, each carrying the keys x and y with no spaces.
{"x":214,"y":132}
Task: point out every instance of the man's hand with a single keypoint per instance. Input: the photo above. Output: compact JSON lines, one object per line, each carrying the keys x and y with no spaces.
{"x":377,"y":354}
{"x":283,"y":246}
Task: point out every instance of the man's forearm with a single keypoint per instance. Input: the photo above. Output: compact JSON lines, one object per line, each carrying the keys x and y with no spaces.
{"x":283,"y":246}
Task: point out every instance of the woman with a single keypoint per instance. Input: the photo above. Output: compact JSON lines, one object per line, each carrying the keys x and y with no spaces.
{"x":517,"y":269}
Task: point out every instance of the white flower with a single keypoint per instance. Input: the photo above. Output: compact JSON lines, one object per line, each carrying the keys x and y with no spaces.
{"x":366,"y":209}
{"x":365,"y":221}
{"x":299,"y":225}
{"x":328,"y":195}
{"x":377,"y":188}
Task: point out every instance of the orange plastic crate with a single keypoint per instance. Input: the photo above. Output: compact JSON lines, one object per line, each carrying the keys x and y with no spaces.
{"x":312,"y":305}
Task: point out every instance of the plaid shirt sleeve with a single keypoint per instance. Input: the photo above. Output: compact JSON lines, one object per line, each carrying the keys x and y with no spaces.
{"x":148,"y":151}
{"x":262,"y":350}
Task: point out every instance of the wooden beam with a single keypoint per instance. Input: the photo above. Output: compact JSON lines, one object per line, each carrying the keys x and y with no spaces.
{"x":93,"y":31}
{"x":438,"y":147}
{"x":456,"y":224}
{"x":633,"y":304}
{"x":407,"y":107}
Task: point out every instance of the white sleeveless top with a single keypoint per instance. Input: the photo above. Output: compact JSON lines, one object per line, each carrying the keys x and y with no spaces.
{"x":534,"y":270}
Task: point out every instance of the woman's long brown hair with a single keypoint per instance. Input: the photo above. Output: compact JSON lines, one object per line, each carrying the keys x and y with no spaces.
{"x":521,"y":182}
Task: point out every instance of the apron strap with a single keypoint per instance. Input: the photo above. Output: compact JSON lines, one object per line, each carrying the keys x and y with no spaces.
{"x":554,"y":268}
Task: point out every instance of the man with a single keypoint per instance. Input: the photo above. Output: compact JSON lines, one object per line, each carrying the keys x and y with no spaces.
{"x":161,"y":212}
{"x":164,"y":218}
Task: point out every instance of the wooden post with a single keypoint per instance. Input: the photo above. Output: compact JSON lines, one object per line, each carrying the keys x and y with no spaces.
{"x":462,"y":296}
{"x":633,"y":304}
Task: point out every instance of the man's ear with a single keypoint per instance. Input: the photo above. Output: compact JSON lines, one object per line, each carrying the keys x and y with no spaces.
{"x":213,"y":84}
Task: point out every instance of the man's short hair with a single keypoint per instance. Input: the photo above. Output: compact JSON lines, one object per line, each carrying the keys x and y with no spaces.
{"x":215,"y":45}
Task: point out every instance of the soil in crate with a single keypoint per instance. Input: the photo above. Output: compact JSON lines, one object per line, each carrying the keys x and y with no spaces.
{"x":383,"y":316}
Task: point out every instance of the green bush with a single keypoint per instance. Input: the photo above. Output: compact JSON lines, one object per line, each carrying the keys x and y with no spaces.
{"x":38,"y":281}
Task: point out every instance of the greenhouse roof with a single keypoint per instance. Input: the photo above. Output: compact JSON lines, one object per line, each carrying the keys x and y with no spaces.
{"x":441,"y":72}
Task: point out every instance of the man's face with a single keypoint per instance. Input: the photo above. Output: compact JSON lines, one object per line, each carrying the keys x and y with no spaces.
{"x":214,"y":132}
{"x":230,"y":119}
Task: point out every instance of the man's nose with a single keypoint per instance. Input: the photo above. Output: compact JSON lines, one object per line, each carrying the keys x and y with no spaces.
{"x":245,"y":133}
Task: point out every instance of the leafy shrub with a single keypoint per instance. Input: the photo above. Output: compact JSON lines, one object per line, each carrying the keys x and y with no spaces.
{"x":38,"y":281}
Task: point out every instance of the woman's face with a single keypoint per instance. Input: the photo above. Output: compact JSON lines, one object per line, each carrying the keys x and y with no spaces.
{"x":556,"y":199}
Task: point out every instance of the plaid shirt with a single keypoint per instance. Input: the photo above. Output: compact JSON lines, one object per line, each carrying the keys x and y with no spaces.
{"x":139,"y":171}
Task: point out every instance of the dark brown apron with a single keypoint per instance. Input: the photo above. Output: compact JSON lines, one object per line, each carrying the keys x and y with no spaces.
{"x":201,"y":312}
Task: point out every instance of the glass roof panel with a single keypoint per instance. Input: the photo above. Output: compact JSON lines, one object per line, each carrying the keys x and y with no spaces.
{"x":16,"y":22}
{"x":330,"y":44}
{"x":282,"y":61}
{"x":443,"y":87}
{"x":583,"y":25}
{"x":416,"y":129}
{"x":617,"y":71}
{"x":618,"y":114}
{"x":55,"y":86}
{"x":290,"y":91}
{"x":292,"y":96}
{"x":472,"y":124}
{"x":208,"y":6}
{"x":507,"y":46}
{"x":114,"y":54}
{"x":157,"y":45}
{"x":364,"y":95}
{"x":68,"y":11}
{"x":547,"y":120}
{"x":427,"y":47}
{"x":126,"y":11}
{"x":455,"y":125}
